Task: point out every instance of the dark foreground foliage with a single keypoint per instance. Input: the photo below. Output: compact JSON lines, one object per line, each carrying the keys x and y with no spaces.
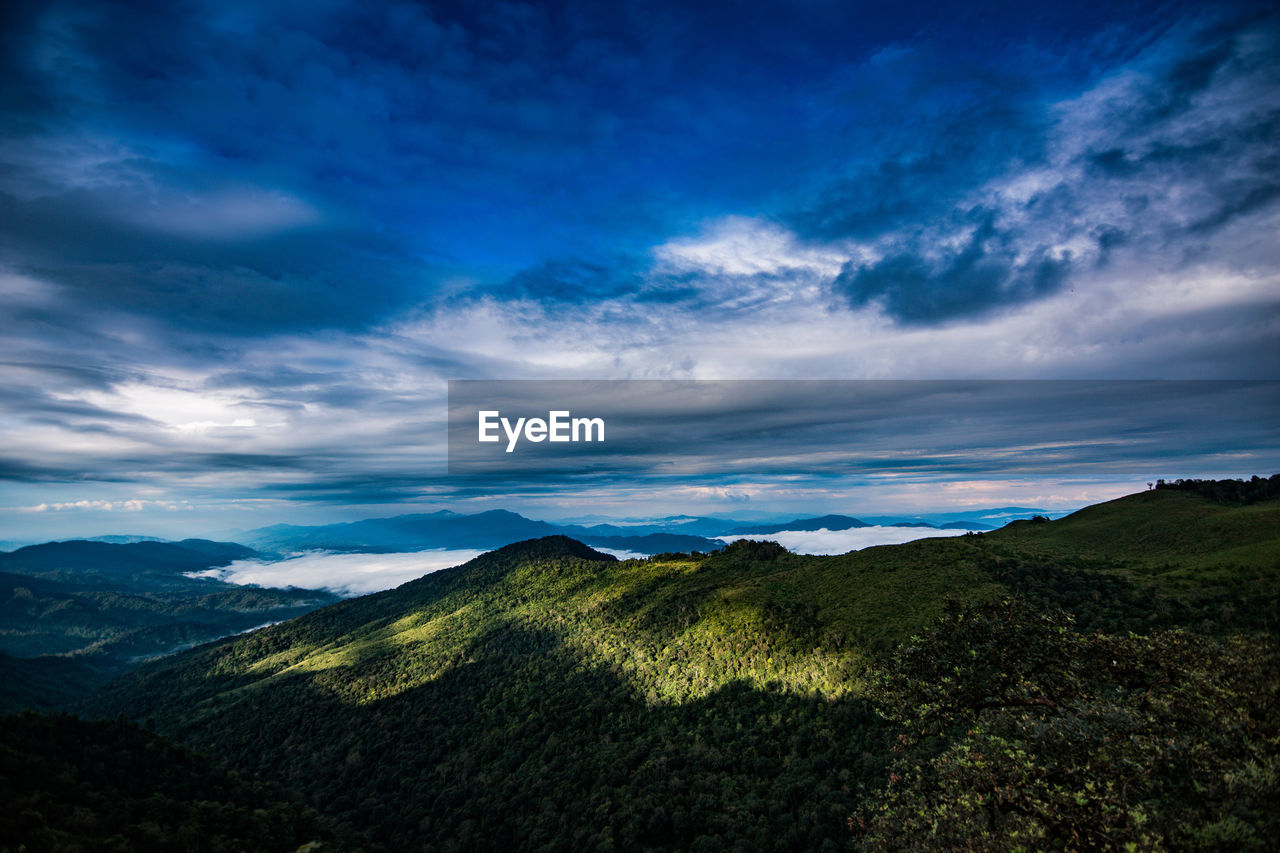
{"x":68,"y":784}
{"x":1019,"y":732}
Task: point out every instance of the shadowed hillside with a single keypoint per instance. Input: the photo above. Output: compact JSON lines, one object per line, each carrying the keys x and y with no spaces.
{"x":69,"y":784}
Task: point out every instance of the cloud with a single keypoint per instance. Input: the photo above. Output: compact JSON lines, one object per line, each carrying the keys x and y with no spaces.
{"x":984,"y":271}
{"x":1156,"y":162}
{"x":729,"y":433}
{"x":132,"y":505}
{"x":622,"y":555}
{"x":343,"y":574}
{"x":843,"y":541}
{"x":741,"y":246}
{"x":571,"y":280}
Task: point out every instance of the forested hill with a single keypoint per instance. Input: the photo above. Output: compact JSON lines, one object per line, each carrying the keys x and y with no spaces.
{"x":74,"y":613}
{"x":110,"y":562}
{"x":547,"y":695}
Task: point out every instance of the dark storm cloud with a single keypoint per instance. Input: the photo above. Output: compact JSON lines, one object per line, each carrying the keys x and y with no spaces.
{"x":985,"y":272}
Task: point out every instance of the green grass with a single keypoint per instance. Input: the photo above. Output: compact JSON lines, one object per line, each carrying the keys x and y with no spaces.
{"x":1176,"y":543}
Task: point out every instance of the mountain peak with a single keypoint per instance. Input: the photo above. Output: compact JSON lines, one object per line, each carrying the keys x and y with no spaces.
{"x":552,"y":547}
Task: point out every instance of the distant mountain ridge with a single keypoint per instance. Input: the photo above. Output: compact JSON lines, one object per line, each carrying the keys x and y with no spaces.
{"x":111,"y":560}
{"x":823,"y":522}
{"x":495,"y":528}
{"x":498,"y":527}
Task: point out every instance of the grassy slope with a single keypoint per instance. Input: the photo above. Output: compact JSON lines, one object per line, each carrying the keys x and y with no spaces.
{"x":1176,"y":542}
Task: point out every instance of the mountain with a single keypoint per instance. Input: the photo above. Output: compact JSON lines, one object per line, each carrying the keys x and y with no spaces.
{"x":492,"y":529}
{"x":121,"y":624}
{"x":547,"y":695}
{"x":654,"y":543}
{"x":74,"y":613}
{"x":844,"y":522}
{"x":961,"y":525}
{"x":496,"y":528}
{"x":49,"y":682}
{"x":825,"y":522}
{"x":414,"y":532}
{"x":990,"y":518}
{"x":147,"y":565}
{"x":679,"y":525}
{"x":821,"y":523}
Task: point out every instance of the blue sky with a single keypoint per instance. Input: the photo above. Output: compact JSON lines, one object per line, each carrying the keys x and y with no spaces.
{"x":243,"y":246}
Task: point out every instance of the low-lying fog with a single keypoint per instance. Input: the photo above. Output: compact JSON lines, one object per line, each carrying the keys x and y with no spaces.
{"x":843,"y":541}
{"x":343,"y":574}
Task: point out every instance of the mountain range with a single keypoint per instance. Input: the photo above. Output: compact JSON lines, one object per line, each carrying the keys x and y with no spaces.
{"x":495,"y":528}
{"x":1108,"y":676}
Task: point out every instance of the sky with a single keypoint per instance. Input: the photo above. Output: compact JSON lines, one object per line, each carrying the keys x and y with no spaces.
{"x":244,"y":246}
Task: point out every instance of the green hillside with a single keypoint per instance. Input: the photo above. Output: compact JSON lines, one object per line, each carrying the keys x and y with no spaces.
{"x":73,"y":614}
{"x":1180,"y":544}
{"x":1159,"y":528}
{"x":548,"y":696}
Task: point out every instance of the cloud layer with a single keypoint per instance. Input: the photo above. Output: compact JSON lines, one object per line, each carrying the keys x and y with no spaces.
{"x":826,"y":542}
{"x":244,"y":247}
{"x":343,"y":574}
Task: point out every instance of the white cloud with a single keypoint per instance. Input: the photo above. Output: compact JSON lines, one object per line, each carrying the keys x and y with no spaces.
{"x":843,"y":541}
{"x":742,"y":246}
{"x":176,"y":407}
{"x":344,"y":574}
{"x":621,"y":554}
{"x":131,"y":505}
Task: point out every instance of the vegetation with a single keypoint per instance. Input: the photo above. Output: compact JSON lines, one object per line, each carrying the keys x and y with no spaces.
{"x":1101,"y":680}
{"x":42,"y":617}
{"x":1229,"y":491}
{"x":545,"y":695}
{"x":49,"y":682}
{"x":74,"y":613}
{"x":74,"y":785}
{"x":1019,"y":732}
